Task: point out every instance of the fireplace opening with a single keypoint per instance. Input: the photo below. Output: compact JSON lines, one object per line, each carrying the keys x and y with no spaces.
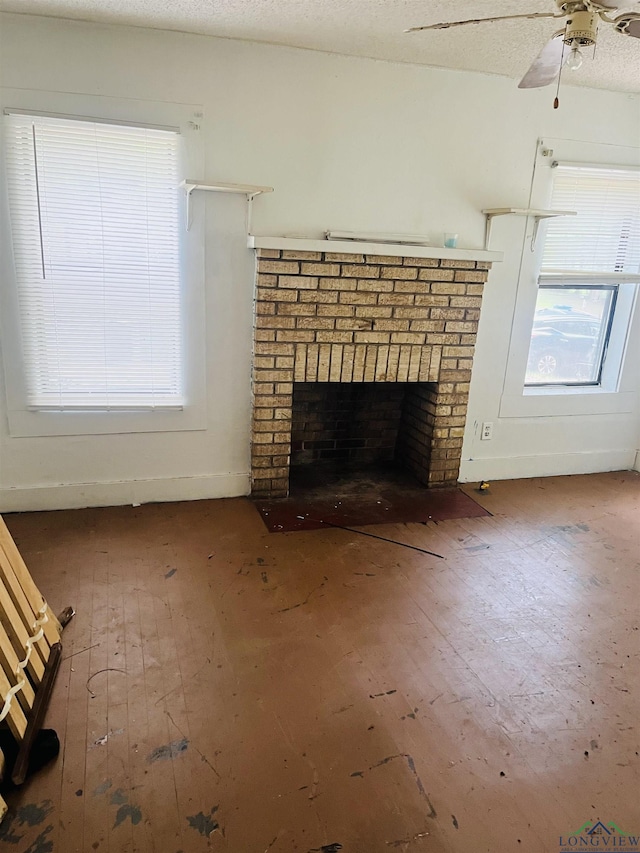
{"x":348,"y":436}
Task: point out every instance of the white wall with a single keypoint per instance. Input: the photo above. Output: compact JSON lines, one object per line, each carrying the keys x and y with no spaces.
{"x":348,"y":144}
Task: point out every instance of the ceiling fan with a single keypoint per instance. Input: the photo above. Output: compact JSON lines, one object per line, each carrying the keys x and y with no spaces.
{"x":580,"y":29}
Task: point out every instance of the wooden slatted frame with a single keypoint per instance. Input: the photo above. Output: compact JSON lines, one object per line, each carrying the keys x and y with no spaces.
{"x":24,"y":616}
{"x":22,"y":604}
{"x":53,"y":629}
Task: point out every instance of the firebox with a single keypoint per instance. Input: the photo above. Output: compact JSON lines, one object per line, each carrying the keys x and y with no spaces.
{"x":355,"y":425}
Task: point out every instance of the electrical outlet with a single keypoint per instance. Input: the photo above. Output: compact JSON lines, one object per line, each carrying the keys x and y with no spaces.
{"x":487,"y":431}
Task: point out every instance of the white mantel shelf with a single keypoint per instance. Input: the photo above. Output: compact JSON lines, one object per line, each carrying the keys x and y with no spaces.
{"x":355,"y":247}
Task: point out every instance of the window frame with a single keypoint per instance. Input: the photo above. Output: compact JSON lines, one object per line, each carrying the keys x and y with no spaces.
{"x":24,"y":420}
{"x":616,"y":392}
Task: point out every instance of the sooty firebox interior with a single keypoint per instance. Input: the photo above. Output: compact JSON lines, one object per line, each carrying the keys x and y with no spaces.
{"x":343,"y":428}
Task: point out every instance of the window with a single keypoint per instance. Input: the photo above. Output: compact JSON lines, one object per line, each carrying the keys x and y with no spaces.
{"x":570,"y":334}
{"x":95,"y":225}
{"x":585,"y":260}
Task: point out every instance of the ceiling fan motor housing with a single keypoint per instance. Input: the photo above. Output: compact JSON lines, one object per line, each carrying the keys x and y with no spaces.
{"x":582,"y":27}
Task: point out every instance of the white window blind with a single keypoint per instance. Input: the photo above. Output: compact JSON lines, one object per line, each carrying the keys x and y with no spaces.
{"x":95,"y":224}
{"x":605,"y":235}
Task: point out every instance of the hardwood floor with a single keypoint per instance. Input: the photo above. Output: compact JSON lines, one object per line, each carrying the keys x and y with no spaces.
{"x":230,"y":690}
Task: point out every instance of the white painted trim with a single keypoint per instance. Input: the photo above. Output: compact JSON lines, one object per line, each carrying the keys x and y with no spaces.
{"x":563,"y":401}
{"x":78,"y":495}
{"x":550,"y":465}
{"x":353,"y":247}
{"x":636,"y":464}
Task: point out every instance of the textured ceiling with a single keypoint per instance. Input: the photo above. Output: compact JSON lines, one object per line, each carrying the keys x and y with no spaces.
{"x":374,"y":28}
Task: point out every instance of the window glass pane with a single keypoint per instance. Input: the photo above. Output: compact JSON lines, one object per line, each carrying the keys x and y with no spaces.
{"x":569,"y":334}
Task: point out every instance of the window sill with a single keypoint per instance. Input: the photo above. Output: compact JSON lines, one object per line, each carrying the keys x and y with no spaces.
{"x":106,"y":410}
{"x":563,"y":390}
{"x":559,"y":402}
{"x":24,"y":423}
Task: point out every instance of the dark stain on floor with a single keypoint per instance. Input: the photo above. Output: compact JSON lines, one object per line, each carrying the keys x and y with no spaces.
{"x":118,"y":797}
{"x":204,"y":824}
{"x":102,"y":788}
{"x":169,"y":750}
{"x":128,"y":811}
{"x":41,"y":843}
{"x":121,"y":799}
{"x":33,"y":814}
{"x":356,"y":495}
{"x":30,"y":815}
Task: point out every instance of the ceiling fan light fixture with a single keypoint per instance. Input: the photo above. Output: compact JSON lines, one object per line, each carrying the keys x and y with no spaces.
{"x":581,"y":28}
{"x":574,"y":60}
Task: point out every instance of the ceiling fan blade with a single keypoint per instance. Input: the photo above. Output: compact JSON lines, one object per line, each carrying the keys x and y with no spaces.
{"x":445,"y":25}
{"x":546,"y":65}
{"x":629,"y":24}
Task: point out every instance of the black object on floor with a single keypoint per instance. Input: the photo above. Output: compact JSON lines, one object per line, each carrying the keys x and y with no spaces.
{"x":325,"y":495}
{"x":45,"y":747}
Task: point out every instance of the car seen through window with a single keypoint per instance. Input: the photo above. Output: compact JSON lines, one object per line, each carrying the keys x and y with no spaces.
{"x":568,"y":344}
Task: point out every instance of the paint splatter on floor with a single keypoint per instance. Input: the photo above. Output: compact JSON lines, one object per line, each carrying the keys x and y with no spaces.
{"x":128,"y":811}
{"x":204,"y":824}
{"x":33,"y":814}
{"x":12,"y":830}
{"x":101,"y":741}
{"x":118,"y":797}
{"x":41,"y":843}
{"x":169,"y":750}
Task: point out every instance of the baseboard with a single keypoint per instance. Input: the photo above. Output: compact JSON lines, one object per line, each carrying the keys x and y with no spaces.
{"x":548,"y":465}
{"x":77,"y":495}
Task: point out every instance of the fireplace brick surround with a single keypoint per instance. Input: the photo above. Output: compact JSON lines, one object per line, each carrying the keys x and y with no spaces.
{"x":328,"y":316}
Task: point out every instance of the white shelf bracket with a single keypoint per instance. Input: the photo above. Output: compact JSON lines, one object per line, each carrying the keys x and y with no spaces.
{"x":187,"y":209}
{"x":248,"y":190}
{"x":538,"y":216}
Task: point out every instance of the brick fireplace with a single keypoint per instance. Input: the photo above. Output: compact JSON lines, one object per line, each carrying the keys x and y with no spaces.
{"x":328,"y":317}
